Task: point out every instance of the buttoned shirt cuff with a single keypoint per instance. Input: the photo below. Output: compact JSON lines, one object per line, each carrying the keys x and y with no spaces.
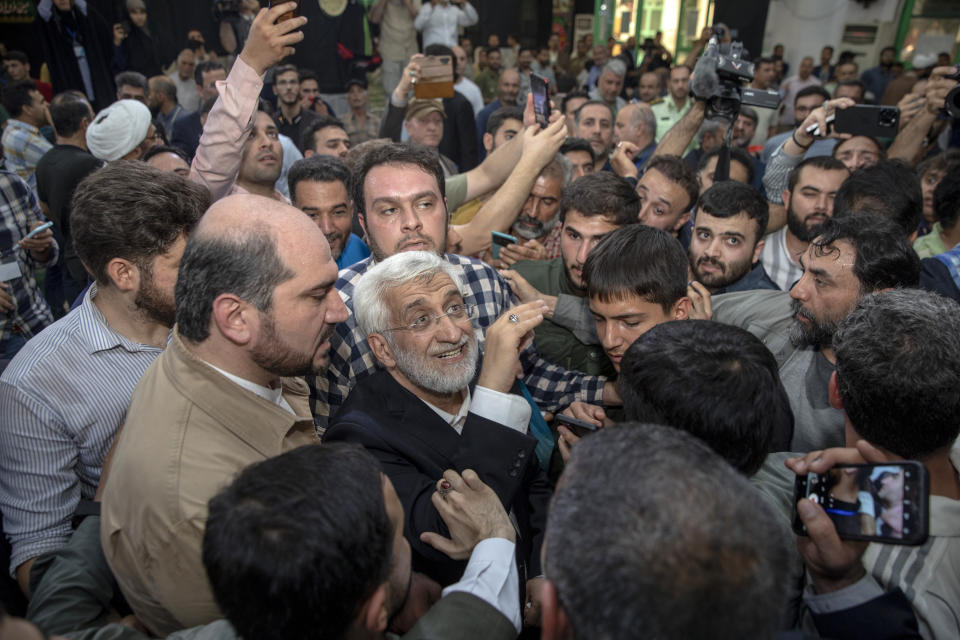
{"x":492,"y":576}
{"x":860,"y":592}
{"x":503,"y":408}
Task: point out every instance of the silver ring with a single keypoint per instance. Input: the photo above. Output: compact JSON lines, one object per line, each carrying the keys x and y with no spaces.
{"x":411,"y":73}
{"x":514,"y":318}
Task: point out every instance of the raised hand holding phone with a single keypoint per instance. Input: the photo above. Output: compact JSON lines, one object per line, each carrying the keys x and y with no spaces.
{"x":270,"y":42}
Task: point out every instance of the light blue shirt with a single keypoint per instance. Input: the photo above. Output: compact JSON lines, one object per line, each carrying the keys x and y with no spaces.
{"x":62,"y":400}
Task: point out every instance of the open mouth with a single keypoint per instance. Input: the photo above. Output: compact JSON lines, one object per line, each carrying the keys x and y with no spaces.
{"x":449,"y":355}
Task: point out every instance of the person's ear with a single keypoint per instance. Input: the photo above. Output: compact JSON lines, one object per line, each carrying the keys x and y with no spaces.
{"x":123,"y":274}
{"x":785,"y":196}
{"x":757,"y":251}
{"x":554,"y":624}
{"x":381,"y":350}
{"x":681,"y":309}
{"x":682,"y":220}
{"x":373,"y":614}
{"x":488,"y":143}
{"x":836,"y":400}
{"x":236,"y":320}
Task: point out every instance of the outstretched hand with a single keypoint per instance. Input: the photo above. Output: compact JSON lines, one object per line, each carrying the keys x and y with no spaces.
{"x":269,"y":42}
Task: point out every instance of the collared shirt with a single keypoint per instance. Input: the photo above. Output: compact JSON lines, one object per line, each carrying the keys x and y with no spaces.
{"x":19,"y":211}
{"x":369,"y":130}
{"x":668,"y":114}
{"x":62,"y":399}
{"x":503,"y":408}
{"x":295,"y":127}
{"x":187,"y":95}
{"x":488,"y":81}
{"x":169,"y":121}
{"x":777,"y":261}
{"x":551,"y":243}
{"x":440,"y":23}
{"x":351,"y":359}
{"x":931,"y":244}
{"x":23,"y":146}
{"x":188,"y":431}
{"x":267,"y":393}
{"x":469,"y":90}
{"x":354,"y":251}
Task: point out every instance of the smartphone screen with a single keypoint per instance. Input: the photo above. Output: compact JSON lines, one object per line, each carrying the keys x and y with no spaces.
{"x":877,"y":502}
{"x":541,"y":99}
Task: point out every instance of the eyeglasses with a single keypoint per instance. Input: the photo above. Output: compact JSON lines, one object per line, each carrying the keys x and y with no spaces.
{"x":424,"y":322}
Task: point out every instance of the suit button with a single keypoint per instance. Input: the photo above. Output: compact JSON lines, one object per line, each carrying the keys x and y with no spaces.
{"x":513,"y":473}
{"x":521,"y":454}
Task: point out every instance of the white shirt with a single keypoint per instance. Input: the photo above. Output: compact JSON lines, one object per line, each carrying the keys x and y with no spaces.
{"x":469,"y":90}
{"x":270,"y":395}
{"x":440,"y":23}
{"x":503,"y":408}
{"x":187,"y":95}
{"x":778,"y":262}
{"x":492,"y":576}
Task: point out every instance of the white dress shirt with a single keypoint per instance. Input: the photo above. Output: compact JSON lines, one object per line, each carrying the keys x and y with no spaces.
{"x":270,"y":395}
{"x":492,"y":576}
{"x":503,"y":408}
{"x":440,"y":23}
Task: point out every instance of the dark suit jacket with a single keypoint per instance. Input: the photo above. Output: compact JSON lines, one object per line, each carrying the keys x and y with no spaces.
{"x":459,"y":142}
{"x":415,"y":446}
{"x":186,"y":133}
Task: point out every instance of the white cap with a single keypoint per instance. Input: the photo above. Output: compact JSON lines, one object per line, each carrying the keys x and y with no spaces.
{"x":118,"y":129}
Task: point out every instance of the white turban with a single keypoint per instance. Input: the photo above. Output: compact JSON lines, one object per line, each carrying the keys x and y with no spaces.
{"x":118,"y":129}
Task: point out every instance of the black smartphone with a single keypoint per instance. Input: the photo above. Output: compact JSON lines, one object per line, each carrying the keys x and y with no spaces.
{"x":541,"y":99}
{"x":580,"y":428}
{"x":288,"y":14}
{"x":878,"y":121}
{"x":887,"y":503}
{"x":498,"y":240}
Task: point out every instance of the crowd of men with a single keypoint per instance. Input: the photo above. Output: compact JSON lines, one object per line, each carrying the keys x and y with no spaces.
{"x":454,"y":373}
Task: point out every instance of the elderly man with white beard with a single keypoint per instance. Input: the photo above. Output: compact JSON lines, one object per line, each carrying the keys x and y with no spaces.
{"x":427,"y":411}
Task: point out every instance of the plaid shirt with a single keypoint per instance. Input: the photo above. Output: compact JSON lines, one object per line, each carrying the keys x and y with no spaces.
{"x":23,"y":146}
{"x":357,"y":134}
{"x":19,"y":210}
{"x":552,"y":242}
{"x":351,"y":360}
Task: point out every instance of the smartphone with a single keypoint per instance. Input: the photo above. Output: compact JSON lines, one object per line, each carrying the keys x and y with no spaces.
{"x":38,"y":230}
{"x":580,"y":428}
{"x":886,"y":503}
{"x":288,"y":14}
{"x":878,"y":121}
{"x":436,"y":78}
{"x":541,"y":99}
{"x":498,"y":240}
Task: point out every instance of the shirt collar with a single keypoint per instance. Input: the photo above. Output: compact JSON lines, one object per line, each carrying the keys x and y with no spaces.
{"x":20,"y":124}
{"x":455,"y":420}
{"x":97,"y":335}
{"x":270,"y":395}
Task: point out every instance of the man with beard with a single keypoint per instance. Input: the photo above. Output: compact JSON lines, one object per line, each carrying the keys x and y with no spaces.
{"x":178,"y":127}
{"x":414,"y":311}
{"x":808,"y":198}
{"x":508,"y":88}
{"x":292,"y":119}
{"x":594,"y":123}
{"x":318,"y":186}
{"x":64,"y":396}
{"x":728,"y":239}
{"x":255,"y":307}
{"x":846,"y":259}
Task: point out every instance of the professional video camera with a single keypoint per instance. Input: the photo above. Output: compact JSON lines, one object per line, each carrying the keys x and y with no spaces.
{"x":720,"y":77}
{"x":952,"y":103}
{"x":225,"y":9}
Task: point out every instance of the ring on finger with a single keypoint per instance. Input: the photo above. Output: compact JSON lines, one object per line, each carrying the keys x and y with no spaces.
{"x":514,"y":318}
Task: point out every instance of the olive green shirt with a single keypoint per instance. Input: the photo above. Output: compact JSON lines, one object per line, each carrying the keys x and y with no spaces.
{"x":555,"y":343}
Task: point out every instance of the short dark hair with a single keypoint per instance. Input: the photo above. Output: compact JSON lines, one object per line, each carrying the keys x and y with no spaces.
{"x":308,"y":141}
{"x":765,"y":60}
{"x":637,"y":260}
{"x":317,"y":168}
{"x":727,"y":199}
{"x":246,"y":265}
{"x":939,"y":162}
{"x":824,"y":163}
{"x":297,"y":543}
{"x":16,"y":96}
{"x":286,"y":68}
{"x":131,"y":79}
{"x":852,"y":83}
{"x":490,"y":50}
{"x":501,"y":115}
{"x":67,"y":111}
{"x":590,"y":103}
{"x":205,"y":67}
{"x":165,"y":148}
{"x":884,"y":257}
{"x":946,"y":198}
{"x":889,"y":188}
{"x":815,"y":90}
{"x":602,"y":193}
{"x":133,"y":211}
{"x":578,"y":144}
{"x":716,"y":381}
{"x":880,"y":148}
{"x":18,"y":56}
{"x":736,"y":155}
{"x":579,"y":93}
{"x":689,"y":549}
{"x":676,"y":170}
{"x":308,"y":74}
{"x":897,"y":373}
{"x":165,"y":86}
{"x":395,"y":154}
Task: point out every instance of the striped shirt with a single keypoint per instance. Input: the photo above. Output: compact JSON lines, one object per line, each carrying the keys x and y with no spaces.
{"x":929,"y":575}
{"x":23,"y":146}
{"x":19,"y":211}
{"x":777,"y":262}
{"x":351,"y":359}
{"x":62,"y":399}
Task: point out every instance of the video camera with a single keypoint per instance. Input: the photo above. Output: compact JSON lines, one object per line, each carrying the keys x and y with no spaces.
{"x":225,"y":9}
{"x":720,"y":77}
{"x":952,"y":103}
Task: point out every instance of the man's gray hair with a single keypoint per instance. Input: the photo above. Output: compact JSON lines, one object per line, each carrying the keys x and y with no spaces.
{"x":644,"y":115}
{"x":711,"y":126}
{"x":560,"y":168}
{"x":616,"y":67}
{"x":369,"y":297}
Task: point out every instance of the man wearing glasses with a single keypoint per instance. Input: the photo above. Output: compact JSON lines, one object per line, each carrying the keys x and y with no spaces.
{"x":422,"y":414}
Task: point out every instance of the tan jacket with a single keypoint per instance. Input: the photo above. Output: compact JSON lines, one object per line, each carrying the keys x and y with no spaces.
{"x":188,"y":431}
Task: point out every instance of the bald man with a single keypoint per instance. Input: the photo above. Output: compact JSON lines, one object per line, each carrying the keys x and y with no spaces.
{"x":635,"y":132}
{"x":255,"y":306}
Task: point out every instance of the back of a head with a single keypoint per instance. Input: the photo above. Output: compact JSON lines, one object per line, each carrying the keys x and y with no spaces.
{"x":897,"y":371}
{"x":678,"y":547}
{"x":297,"y":543}
{"x":946,"y":197}
{"x":131,"y":79}
{"x":889,"y":188}
{"x":715,"y":381}
{"x":15,"y":96}
{"x":637,"y":260}
{"x":884,"y":257}
{"x":727,"y":199}
{"x":133,"y":211}
{"x":602,"y":193}
{"x":67,"y":111}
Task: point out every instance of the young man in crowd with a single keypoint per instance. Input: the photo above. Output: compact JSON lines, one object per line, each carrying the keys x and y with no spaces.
{"x":292,"y":119}
{"x":23,"y":145}
{"x":326,"y":136}
{"x":581,"y":156}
